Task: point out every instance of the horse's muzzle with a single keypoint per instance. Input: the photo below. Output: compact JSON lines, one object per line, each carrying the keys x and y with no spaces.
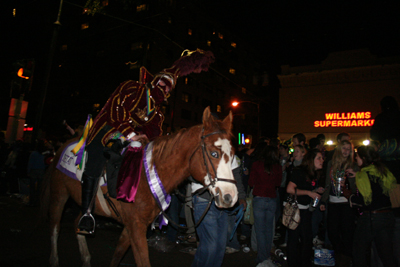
{"x":223,"y":200}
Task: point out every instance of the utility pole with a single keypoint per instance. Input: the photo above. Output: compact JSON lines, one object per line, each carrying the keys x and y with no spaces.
{"x":43,"y":92}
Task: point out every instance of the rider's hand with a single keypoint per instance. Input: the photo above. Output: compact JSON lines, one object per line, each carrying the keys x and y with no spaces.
{"x":142,"y":138}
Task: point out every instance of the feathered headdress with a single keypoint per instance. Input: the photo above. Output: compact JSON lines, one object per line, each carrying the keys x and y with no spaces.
{"x":189,"y":62}
{"x":194,"y":61}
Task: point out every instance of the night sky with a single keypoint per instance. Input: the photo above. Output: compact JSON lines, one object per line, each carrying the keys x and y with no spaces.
{"x":282,"y":32}
{"x":304,"y":32}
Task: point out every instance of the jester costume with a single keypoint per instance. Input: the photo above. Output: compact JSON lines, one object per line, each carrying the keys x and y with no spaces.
{"x":133,"y":109}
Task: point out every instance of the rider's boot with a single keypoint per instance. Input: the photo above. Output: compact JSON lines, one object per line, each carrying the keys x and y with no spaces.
{"x":86,"y":223}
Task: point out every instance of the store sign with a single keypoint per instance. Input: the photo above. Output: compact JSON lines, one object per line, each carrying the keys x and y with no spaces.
{"x":348,"y":119}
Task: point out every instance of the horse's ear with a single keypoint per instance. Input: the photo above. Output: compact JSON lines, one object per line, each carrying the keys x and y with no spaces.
{"x":227,"y":122}
{"x":207,"y":118}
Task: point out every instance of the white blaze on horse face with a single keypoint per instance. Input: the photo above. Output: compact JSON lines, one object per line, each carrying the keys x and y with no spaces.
{"x":224,"y":171}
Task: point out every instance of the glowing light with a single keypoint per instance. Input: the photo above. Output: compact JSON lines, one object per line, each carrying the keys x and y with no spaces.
{"x":21,"y":73}
{"x":235,"y":103}
{"x":330,"y":142}
{"x":366,"y":142}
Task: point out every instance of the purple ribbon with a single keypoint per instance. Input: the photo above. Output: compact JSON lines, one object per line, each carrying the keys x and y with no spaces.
{"x":156,"y":187}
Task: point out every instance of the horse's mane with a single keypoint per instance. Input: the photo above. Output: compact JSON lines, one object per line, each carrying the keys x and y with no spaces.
{"x":164,"y":146}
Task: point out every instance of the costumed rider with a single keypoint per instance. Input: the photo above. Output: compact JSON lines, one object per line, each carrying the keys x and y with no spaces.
{"x":132,"y":113}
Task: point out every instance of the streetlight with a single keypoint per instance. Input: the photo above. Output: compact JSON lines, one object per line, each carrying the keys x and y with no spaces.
{"x":236,"y":103}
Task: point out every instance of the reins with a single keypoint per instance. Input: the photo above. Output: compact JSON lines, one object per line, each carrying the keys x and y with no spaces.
{"x":203,"y":189}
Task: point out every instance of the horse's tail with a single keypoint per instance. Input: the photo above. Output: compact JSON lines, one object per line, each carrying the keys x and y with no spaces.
{"x":45,"y":194}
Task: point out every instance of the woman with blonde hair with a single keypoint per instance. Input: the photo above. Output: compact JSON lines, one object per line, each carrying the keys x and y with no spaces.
{"x":341,"y":218}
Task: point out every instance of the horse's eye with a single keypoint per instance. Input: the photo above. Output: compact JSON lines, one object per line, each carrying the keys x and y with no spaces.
{"x":214,"y":154}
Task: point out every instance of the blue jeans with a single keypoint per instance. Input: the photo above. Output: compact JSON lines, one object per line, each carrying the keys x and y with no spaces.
{"x":173,"y":212}
{"x":264,"y":213}
{"x":212,"y":232}
{"x":234,"y":243}
{"x":378,"y":228}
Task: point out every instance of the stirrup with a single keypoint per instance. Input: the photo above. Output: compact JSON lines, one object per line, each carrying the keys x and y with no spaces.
{"x":83,"y":229}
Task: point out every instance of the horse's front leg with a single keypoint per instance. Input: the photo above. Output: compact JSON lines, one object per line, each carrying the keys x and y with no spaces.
{"x":54,"y":252}
{"x":122,"y":247}
{"x":59,"y":197}
{"x":139,"y":244}
{"x":83,"y":248}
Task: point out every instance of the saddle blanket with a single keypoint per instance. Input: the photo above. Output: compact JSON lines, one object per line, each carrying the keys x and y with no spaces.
{"x":66,"y":165}
{"x":67,"y":161}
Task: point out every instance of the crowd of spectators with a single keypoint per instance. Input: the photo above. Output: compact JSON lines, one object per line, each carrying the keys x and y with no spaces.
{"x":354,"y":216}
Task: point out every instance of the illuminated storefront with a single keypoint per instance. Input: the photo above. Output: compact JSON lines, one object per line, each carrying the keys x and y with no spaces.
{"x":342,"y":94}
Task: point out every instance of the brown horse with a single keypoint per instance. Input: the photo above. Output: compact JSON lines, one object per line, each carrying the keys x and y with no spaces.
{"x":203,"y":152}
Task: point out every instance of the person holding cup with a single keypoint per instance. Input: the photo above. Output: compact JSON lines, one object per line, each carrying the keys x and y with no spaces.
{"x":304,"y":182}
{"x":341,"y":218}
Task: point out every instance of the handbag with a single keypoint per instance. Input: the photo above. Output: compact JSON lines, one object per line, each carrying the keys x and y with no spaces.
{"x":395,"y":196}
{"x":291,"y":212}
{"x":248,"y":217}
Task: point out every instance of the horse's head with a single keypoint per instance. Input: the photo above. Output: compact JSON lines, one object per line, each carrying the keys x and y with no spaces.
{"x":217,"y":154}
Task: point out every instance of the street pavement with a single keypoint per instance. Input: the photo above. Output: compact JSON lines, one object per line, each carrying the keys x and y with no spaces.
{"x":24,"y":243}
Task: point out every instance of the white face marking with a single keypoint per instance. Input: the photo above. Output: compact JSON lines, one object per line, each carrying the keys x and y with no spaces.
{"x":224,"y":170}
{"x":225,"y":147}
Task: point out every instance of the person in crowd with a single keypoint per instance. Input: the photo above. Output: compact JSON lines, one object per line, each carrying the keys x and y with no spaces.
{"x":315,"y":143}
{"x":232,"y":242}
{"x":257,"y":154}
{"x":265,"y":178}
{"x":36,"y":169}
{"x":133,"y":112}
{"x":317,"y":215}
{"x":274,"y":142}
{"x":321,"y":138}
{"x":245,"y":166}
{"x":387,"y":123}
{"x":298,"y":155}
{"x":284,"y":160}
{"x":77,"y":131}
{"x":304,"y":183}
{"x":385,"y":135}
{"x":339,"y":138}
{"x":299,"y":139}
{"x":374,"y":183}
{"x":11,"y":167}
{"x":174,"y":211}
{"x":212,"y":231}
{"x":341,"y":218}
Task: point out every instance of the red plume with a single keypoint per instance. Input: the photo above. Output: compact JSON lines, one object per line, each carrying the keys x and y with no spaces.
{"x":194,"y":60}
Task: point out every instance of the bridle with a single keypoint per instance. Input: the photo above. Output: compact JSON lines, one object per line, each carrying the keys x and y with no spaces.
{"x":205,"y":153}
{"x":206,"y":156}
{"x":212,"y":180}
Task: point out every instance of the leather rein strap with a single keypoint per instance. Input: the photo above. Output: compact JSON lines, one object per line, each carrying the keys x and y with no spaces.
{"x":201,"y":190}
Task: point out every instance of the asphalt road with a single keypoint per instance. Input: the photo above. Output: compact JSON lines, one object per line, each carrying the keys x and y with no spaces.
{"x":23,"y":243}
